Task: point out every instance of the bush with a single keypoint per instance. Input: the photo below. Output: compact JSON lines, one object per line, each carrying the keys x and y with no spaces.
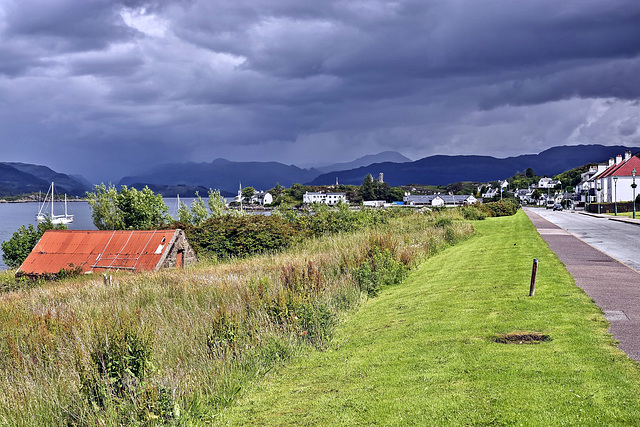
{"x":380,"y":270}
{"x":240,"y":236}
{"x":506,"y":207}
{"x":19,"y":246}
{"x":472,"y":212}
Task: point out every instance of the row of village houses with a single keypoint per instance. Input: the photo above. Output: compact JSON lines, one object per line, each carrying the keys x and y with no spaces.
{"x":610,"y":182}
{"x":435,"y":200}
{"x":332,"y":199}
{"x":604,"y":183}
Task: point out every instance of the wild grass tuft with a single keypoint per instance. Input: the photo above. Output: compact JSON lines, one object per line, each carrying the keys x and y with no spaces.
{"x":178,"y":346}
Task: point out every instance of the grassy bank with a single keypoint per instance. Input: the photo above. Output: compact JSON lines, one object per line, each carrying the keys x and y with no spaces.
{"x":177,"y":347}
{"x":428,"y":352}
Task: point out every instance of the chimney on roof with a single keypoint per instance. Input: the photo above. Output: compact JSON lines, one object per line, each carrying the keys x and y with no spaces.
{"x":627,"y":155}
{"x":618,"y":159}
{"x":611,"y":161}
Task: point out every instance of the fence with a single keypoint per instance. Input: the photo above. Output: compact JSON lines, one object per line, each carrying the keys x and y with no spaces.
{"x":611,"y":208}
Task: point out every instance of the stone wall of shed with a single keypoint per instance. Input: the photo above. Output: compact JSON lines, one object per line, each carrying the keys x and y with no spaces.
{"x":181,"y":244}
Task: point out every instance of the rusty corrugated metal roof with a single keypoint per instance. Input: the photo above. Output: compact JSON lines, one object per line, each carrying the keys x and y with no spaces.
{"x":96,"y":250}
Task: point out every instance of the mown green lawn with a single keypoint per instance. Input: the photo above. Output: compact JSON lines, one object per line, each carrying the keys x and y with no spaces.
{"x":423,"y":353}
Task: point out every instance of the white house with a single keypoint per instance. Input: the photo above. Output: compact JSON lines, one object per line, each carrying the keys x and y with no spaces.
{"x":423,"y":200}
{"x":547,"y":183}
{"x":374,"y":203}
{"x":451,"y":200}
{"x":262,"y":198}
{"x":491,"y":193}
{"x":614,"y":183}
{"x":330,"y":199}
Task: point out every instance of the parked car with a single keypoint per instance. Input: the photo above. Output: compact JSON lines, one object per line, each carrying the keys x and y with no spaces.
{"x":557,"y":207}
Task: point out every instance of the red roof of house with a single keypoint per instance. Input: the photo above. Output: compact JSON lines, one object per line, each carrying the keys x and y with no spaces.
{"x":96,"y":250}
{"x":622,"y":169}
{"x":625,"y":168}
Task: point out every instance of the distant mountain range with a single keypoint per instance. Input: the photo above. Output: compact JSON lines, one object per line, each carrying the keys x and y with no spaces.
{"x":443,"y":170}
{"x":187,"y":178}
{"x":224,"y":175}
{"x":385,"y":156}
{"x":21,"y":178}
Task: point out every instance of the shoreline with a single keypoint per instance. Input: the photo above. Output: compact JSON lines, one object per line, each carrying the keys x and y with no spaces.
{"x":36,"y":201}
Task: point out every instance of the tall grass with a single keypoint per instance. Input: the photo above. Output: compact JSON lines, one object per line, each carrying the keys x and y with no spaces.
{"x":175,"y":347}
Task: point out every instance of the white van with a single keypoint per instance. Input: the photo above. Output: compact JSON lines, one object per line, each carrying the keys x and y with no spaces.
{"x":550,"y":203}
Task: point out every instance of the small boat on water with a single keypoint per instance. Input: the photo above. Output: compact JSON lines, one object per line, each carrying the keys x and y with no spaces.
{"x":55,"y":219}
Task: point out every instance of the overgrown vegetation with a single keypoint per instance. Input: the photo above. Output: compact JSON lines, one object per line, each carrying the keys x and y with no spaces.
{"x":126,"y":209}
{"x":229,"y":235}
{"x":19,"y":246}
{"x":177,"y":347}
{"x":430,"y":353}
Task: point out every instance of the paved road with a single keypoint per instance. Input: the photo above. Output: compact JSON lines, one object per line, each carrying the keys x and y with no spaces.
{"x":619,"y":240}
{"x":613,"y":286}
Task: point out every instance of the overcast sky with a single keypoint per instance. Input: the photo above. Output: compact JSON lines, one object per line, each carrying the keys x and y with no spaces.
{"x":106,"y":88}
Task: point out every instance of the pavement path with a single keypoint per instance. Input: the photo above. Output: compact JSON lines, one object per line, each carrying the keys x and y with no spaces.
{"x":606,"y":233}
{"x":613,"y":286}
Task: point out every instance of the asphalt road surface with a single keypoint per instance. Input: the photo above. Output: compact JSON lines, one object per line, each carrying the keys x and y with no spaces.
{"x":617,"y":239}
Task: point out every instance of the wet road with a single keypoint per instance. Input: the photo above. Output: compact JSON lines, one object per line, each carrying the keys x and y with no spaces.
{"x":616,"y":239}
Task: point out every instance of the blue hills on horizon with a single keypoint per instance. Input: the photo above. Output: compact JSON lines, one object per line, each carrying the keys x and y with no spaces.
{"x":226,"y":175}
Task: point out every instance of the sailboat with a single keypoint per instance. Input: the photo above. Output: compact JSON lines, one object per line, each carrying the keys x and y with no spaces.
{"x":55,"y":219}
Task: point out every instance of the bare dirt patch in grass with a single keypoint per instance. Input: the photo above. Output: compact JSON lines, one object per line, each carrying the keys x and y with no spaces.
{"x":521,"y":337}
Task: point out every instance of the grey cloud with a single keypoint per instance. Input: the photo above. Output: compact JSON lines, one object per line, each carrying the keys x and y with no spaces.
{"x":277,"y":79}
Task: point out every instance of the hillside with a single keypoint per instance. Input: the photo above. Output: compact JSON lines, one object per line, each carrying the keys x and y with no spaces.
{"x":385,"y":156}
{"x":224,"y":175}
{"x":21,"y":178}
{"x":443,"y":170}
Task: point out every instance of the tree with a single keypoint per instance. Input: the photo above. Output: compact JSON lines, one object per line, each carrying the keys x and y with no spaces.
{"x":396,"y":194}
{"x":19,"y":246}
{"x":247,"y":193}
{"x":184,"y":214}
{"x":127,"y":209}
{"x":216,"y":203}
{"x":277,"y":190}
{"x":297,"y":191}
{"x":529,"y":173}
{"x":198,"y":210}
{"x":367,"y":189}
{"x":104,"y":211}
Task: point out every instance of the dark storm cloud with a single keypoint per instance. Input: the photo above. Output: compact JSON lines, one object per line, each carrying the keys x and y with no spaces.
{"x":298,"y":81}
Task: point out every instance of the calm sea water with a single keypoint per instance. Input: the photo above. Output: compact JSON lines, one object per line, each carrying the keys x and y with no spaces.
{"x":14,"y":215}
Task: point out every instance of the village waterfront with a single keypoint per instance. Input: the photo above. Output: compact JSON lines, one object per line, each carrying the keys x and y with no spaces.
{"x":15,"y":215}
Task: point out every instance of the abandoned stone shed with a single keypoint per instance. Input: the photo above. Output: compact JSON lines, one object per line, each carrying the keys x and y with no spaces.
{"x":99,"y":251}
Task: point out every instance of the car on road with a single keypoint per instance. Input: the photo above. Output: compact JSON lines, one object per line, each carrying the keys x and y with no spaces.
{"x":550,"y":204}
{"x":557,"y":207}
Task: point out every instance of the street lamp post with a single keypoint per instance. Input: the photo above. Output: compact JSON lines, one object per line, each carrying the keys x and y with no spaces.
{"x":615,"y":194}
{"x":599,"y":201}
{"x":633,"y":175}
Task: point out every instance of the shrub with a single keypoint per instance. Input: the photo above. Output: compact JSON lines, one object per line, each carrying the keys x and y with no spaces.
{"x":472,"y":212}
{"x":505,"y":207}
{"x":240,"y":236}
{"x":19,"y":246}
{"x":380,"y":270}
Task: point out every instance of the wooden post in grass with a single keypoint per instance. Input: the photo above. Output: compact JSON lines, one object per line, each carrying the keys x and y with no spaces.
{"x":534,"y":271}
